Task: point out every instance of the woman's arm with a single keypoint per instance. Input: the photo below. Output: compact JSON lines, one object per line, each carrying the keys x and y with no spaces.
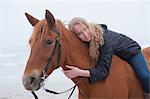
{"x":75,"y":72}
{"x":101,"y":70}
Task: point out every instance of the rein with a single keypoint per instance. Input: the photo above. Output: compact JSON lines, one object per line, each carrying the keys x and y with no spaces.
{"x":44,"y":74}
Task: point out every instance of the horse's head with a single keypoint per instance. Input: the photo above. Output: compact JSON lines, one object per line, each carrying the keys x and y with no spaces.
{"x":45,"y":51}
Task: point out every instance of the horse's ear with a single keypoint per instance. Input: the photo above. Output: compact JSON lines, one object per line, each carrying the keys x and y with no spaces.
{"x":31,"y":19}
{"x":49,"y":18}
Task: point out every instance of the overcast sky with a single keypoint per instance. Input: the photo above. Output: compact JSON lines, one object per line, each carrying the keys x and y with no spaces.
{"x":130,"y":17}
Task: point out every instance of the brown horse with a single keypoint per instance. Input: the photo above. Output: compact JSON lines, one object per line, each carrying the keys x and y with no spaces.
{"x":51,"y":42}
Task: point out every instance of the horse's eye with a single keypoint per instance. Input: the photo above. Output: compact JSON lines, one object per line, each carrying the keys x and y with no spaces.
{"x":49,"y":42}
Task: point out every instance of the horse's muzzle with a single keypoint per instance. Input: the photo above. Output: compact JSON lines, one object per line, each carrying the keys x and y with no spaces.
{"x":32,"y":83}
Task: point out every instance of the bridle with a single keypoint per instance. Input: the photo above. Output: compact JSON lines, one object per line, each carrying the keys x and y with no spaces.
{"x":44,"y":74}
{"x":46,"y":67}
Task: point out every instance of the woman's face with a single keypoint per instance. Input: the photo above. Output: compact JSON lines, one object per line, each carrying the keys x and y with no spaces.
{"x":82,"y":32}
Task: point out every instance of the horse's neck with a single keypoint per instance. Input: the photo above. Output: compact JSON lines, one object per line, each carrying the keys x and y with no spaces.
{"x":77,"y":52}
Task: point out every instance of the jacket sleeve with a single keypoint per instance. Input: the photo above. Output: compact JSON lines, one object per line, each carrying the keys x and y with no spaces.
{"x":101,"y":70}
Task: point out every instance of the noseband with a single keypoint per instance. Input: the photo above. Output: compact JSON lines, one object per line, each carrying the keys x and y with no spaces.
{"x":44,"y":74}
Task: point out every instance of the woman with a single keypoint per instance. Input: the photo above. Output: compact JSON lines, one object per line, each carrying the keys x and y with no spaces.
{"x":103,"y":43}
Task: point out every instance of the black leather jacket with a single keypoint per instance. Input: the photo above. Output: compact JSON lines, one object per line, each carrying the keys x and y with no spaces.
{"x":114,"y":43}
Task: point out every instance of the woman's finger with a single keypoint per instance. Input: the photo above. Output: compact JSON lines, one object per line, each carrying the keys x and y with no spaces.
{"x":70,"y":67}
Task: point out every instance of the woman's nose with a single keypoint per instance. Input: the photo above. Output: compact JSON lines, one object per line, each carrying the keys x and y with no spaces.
{"x":85,"y":34}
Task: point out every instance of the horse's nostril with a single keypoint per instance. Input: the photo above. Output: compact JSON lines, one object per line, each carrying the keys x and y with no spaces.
{"x":32,"y":79}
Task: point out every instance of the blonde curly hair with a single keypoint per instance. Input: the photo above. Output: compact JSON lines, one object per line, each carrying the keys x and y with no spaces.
{"x":96,"y":31}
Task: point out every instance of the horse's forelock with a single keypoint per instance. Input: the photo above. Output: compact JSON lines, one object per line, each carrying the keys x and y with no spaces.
{"x":41,"y":30}
{"x":39,"y":33}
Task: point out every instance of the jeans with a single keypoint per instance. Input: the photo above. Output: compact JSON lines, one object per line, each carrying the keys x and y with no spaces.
{"x":141,"y":69}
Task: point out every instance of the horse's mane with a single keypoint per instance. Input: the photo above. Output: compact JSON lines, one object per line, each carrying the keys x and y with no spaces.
{"x":70,"y":35}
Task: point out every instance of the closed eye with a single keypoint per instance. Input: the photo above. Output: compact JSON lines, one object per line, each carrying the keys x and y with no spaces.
{"x":78,"y":34}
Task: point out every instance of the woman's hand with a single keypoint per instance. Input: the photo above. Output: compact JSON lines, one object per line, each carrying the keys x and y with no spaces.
{"x":75,"y":72}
